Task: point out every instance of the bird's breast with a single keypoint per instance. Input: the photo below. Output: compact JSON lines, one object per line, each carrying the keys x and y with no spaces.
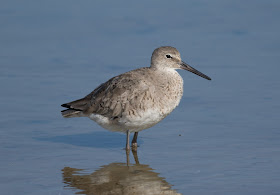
{"x":169,"y":92}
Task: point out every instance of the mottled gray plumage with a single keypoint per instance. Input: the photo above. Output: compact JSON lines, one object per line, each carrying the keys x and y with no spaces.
{"x":138,"y":99}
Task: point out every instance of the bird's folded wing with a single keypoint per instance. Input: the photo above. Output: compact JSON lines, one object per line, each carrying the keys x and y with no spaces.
{"x":119,"y":96}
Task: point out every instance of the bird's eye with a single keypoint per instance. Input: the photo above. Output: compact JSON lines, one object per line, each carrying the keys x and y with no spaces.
{"x":168,"y":56}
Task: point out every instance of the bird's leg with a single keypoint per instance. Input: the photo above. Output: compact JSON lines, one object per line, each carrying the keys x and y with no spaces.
{"x":134,"y":141}
{"x":134,"y":152}
{"x":127,"y":140}
{"x":127,"y":147}
{"x":127,"y":157}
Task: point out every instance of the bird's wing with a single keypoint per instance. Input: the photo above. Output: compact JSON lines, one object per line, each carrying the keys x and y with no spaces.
{"x":120,"y":95}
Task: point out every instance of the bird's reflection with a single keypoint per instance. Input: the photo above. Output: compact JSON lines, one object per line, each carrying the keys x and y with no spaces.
{"x":117,"y":179}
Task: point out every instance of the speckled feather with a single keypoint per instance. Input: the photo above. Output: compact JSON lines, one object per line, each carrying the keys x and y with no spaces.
{"x":132,"y":94}
{"x":138,"y":99}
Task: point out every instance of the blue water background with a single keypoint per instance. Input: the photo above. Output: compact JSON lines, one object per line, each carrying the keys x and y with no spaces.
{"x":224,"y":138}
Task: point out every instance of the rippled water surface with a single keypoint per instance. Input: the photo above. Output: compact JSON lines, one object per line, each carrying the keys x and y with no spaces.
{"x":222,"y":139}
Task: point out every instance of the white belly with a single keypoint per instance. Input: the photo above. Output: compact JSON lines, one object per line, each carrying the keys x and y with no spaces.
{"x":132,"y":123}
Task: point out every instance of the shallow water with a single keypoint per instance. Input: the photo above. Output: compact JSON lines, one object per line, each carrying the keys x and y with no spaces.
{"x":222,"y":139}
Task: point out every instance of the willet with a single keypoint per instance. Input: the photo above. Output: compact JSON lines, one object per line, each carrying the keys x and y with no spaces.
{"x":138,"y":99}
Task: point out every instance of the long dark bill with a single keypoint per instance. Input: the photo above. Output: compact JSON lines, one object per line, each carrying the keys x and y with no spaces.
{"x":187,"y":67}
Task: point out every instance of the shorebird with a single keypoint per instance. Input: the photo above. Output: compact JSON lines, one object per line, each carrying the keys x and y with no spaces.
{"x":138,"y":99}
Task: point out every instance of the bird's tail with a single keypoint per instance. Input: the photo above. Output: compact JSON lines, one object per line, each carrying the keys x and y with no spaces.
{"x":75,"y":108}
{"x":69,"y":113}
